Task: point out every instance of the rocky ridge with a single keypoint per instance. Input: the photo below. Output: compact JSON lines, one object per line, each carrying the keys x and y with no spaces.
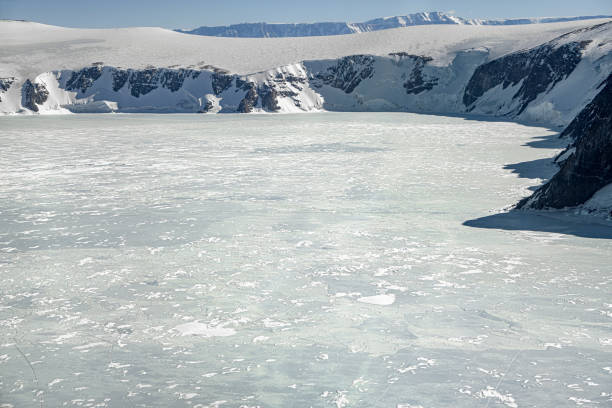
{"x":586,"y":165}
{"x":267,"y":30}
{"x":33,"y":95}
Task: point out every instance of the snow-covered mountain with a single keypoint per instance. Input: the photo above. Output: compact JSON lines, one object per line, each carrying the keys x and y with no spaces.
{"x":546,"y":73}
{"x":267,"y":30}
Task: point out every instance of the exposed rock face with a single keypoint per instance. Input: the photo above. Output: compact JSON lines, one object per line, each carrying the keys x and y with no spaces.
{"x":83,"y":79}
{"x":347,"y":73}
{"x":589,"y":167}
{"x":5,"y":84}
{"x":264,"y":92}
{"x":594,"y":111}
{"x":250,"y":100}
{"x":283,"y":80}
{"x":221,"y":82}
{"x":173,"y":79}
{"x":417,"y":81}
{"x":208,"y":87}
{"x":120,"y":77}
{"x":33,"y":95}
{"x":269,"y":101}
{"x":142,"y":82}
{"x":539,"y":69}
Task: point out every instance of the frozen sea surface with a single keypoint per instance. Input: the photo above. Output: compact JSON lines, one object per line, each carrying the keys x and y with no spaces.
{"x":314,"y":260}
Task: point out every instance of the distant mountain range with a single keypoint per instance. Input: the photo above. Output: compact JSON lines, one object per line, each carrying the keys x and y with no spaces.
{"x":262,"y":30}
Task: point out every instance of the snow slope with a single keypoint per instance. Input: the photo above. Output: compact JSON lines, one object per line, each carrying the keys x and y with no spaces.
{"x":259,"y":30}
{"x":31,"y":48}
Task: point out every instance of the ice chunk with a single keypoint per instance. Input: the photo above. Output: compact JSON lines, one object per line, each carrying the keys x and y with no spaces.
{"x":381,"y":300}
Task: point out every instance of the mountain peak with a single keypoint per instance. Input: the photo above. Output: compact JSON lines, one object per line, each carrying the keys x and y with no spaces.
{"x":264,"y":30}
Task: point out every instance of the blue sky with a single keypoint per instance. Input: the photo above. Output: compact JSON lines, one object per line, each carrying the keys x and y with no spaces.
{"x":192,"y":13}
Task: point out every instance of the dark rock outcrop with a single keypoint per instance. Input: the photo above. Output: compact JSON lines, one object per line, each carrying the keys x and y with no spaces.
{"x":269,"y":101}
{"x":347,"y":73}
{"x":120,"y":77}
{"x":221,"y":82}
{"x":282,"y":82}
{"x":417,"y":81}
{"x":173,"y":79}
{"x":589,"y":167}
{"x":141,"y":82}
{"x":5,"y":84}
{"x":265,"y":93}
{"x":539,"y":69}
{"x":144,"y":81}
{"x":290,"y":78}
{"x":250,"y":99}
{"x":83,"y":79}
{"x":33,"y":95}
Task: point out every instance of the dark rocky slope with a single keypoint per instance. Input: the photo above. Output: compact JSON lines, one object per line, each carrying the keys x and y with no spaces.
{"x":539,"y":69}
{"x":589,"y":167}
{"x":33,"y":95}
{"x":347,"y":73}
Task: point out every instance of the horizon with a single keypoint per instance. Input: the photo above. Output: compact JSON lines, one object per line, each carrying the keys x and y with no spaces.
{"x":88,"y":14}
{"x":591,"y":16}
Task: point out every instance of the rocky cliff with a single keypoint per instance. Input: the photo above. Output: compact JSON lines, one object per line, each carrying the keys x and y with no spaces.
{"x":548,"y":83}
{"x":110,"y":89}
{"x":33,"y":95}
{"x":587,"y":162}
{"x":531,"y":72}
{"x":551,"y":82}
{"x":5,"y":84}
